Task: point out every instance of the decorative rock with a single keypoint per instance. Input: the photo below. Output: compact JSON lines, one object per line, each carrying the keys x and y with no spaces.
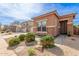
{"x":39,"y":47}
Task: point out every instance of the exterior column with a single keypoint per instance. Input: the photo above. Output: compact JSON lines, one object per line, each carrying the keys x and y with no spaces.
{"x":70,"y":28}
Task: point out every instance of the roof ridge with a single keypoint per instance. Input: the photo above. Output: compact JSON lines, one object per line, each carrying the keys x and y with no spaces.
{"x":47,"y":13}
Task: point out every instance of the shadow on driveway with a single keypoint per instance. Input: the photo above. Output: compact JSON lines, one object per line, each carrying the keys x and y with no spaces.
{"x":56,"y":50}
{"x":67,"y":41}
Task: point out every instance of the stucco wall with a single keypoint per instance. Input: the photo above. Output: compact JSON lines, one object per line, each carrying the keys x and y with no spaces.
{"x":69,"y":24}
{"x":51,"y":24}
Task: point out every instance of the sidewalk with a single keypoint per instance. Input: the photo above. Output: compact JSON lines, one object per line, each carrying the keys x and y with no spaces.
{"x":3,"y":49}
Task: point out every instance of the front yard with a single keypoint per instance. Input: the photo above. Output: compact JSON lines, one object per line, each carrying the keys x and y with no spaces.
{"x":68,"y":48}
{"x":64,"y":46}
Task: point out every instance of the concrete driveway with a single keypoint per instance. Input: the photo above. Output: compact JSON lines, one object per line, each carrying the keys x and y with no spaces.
{"x":65,"y":46}
{"x":69,"y":45}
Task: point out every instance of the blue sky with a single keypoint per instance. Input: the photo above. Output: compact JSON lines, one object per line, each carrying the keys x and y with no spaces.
{"x":22,"y":12}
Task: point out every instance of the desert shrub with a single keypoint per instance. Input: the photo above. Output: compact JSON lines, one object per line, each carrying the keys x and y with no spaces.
{"x":2,"y":32}
{"x":31,"y":52}
{"x":30,"y":37}
{"x":14,"y":41}
{"x":8,"y":39}
{"x":47,"y":41}
{"x":22,"y":37}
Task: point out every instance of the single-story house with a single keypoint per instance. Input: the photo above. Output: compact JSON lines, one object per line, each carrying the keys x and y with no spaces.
{"x":53,"y":24}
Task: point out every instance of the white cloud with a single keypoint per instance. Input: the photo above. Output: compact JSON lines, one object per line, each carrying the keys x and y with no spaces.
{"x":21,"y":11}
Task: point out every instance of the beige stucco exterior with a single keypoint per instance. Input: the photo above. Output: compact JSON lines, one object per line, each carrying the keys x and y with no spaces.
{"x":69,"y":19}
{"x":52,"y":23}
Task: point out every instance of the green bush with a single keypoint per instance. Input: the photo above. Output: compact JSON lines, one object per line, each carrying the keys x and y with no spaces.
{"x":31,"y":52}
{"x":2,"y":32}
{"x":47,"y":41}
{"x":14,"y":41}
{"x":22,"y":37}
{"x":30,"y":37}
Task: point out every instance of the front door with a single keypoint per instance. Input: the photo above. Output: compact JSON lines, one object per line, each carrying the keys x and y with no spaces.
{"x":63,"y":27}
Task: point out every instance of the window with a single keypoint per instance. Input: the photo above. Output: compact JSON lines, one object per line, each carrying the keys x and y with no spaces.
{"x":39,"y":26}
{"x":42,"y":26}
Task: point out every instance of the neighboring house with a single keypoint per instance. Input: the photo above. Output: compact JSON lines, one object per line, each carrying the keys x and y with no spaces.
{"x":27,"y":26}
{"x":18,"y":28}
{"x":12,"y":28}
{"x":30,"y":26}
{"x":23,"y":26}
{"x":4,"y":28}
{"x":53,"y":24}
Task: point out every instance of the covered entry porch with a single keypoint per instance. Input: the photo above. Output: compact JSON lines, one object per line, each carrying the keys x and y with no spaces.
{"x":66,"y":24}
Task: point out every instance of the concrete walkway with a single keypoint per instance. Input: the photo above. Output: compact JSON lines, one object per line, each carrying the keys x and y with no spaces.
{"x":3,"y":48}
{"x":3,"y":44}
